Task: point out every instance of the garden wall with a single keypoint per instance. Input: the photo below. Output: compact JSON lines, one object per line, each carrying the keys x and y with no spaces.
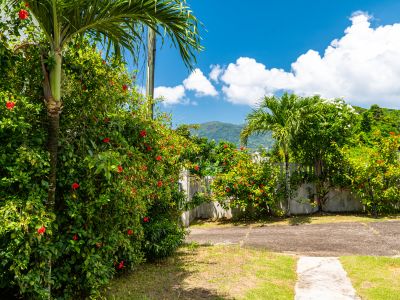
{"x":337,"y":200}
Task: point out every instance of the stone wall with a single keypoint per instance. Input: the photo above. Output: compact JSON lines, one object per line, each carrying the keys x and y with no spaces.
{"x":337,"y":200}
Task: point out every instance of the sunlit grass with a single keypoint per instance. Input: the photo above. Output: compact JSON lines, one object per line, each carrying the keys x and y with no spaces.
{"x":374,"y":278}
{"x":211,"y":272}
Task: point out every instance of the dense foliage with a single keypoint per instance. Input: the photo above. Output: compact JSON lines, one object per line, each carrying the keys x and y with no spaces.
{"x":117,"y":178}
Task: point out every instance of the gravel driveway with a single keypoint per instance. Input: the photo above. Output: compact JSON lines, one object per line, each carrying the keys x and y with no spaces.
{"x":336,"y":239}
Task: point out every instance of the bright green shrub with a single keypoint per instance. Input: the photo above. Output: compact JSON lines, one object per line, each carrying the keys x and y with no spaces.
{"x":375,"y":173}
{"x":115,"y":168}
{"x":244,"y":183}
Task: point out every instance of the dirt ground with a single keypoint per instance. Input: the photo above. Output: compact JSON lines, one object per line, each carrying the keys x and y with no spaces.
{"x":336,"y":239}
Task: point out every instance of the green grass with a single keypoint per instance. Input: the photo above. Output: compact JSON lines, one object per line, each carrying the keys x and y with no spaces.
{"x":296,"y":220}
{"x":211,"y":272}
{"x":374,"y":278}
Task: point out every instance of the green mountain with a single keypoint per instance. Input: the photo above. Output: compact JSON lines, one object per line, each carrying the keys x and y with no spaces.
{"x":219,"y":131}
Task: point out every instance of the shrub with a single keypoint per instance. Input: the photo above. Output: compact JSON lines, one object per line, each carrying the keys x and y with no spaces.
{"x":244,"y":183}
{"x":115,"y":168}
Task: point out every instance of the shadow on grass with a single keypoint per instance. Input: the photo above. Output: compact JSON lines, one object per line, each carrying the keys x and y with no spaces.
{"x":316,"y":218}
{"x":299,"y":220}
{"x":164,"y":280}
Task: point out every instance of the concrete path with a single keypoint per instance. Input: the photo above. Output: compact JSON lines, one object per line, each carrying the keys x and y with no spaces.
{"x":331,"y":240}
{"x":323,"y":278}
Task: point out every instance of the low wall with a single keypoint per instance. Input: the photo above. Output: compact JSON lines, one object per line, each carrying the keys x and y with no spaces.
{"x":337,"y":200}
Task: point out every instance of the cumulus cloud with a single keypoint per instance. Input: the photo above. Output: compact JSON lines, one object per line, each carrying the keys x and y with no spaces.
{"x":216,"y":71}
{"x":200,"y":84}
{"x":363,"y":67}
{"x":171,"y":95}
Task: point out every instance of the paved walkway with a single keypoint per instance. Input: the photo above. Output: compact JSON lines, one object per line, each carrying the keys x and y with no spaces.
{"x":336,"y":239}
{"x":323,"y":278}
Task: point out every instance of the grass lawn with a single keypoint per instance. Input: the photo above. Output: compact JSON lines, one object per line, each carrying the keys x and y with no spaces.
{"x":211,"y":272}
{"x":296,"y":220}
{"x":374,"y":278}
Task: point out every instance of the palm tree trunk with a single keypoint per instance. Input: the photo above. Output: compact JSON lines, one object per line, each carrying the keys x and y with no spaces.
{"x":54,"y":110}
{"x":287,"y":183}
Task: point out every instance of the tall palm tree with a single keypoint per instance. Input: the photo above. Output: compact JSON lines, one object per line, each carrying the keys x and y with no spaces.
{"x":282,"y":116}
{"x":117,"y":22}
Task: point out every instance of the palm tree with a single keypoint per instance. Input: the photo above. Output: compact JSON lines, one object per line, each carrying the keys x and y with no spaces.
{"x":118,"y":23}
{"x":282,"y":116}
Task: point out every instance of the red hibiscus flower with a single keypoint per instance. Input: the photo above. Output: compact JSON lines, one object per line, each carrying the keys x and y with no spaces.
{"x":124,"y":87}
{"x":146,"y":219}
{"x":106,"y":140}
{"x":75,"y":237}
{"x":196,"y":168}
{"x":23,"y":14}
{"x":159,"y":183}
{"x":10,"y":105}
{"x":41,"y":230}
{"x":130,"y":231}
{"x":75,"y":186}
{"x":121,"y":265}
{"x":143,"y":133}
{"x":158,"y":158}
{"x":120,"y":169}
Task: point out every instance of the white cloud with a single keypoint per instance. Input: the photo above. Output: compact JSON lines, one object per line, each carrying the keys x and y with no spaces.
{"x":363,"y":67}
{"x":171,"y":95}
{"x":215,"y":73}
{"x":200,"y":84}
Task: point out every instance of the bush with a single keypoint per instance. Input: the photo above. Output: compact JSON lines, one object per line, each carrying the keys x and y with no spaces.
{"x":245,"y":184}
{"x":375,"y":174}
{"x":115,"y":168}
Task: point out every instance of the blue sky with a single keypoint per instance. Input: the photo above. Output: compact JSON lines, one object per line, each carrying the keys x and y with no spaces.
{"x":274,"y":34}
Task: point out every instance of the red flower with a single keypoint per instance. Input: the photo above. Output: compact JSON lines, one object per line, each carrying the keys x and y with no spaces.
{"x":41,"y":230}
{"x":225,"y":146}
{"x":121,"y":265}
{"x":149,"y":148}
{"x":143,"y":133}
{"x":158,"y":158}
{"x":391,"y":133}
{"x":106,"y":140}
{"x":10,"y":105}
{"x":75,"y":186}
{"x":124,"y":87}
{"x":120,"y":169}
{"x":159,"y":183}
{"x":196,"y":168}
{"x":75,"y":237}
{"x":23,"y":14}
{"x":130,"y":231}
{"x":146,"y":219}
{"x":227,"y":190}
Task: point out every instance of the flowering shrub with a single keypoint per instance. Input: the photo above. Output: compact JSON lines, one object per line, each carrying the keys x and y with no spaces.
{"x":243,"y":183}
{"x":117,"y":199}
{"x":375,"y":174}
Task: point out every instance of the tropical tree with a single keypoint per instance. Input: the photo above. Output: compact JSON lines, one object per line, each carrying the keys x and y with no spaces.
{"x":330,"y":126}
{"x":281,"y":115}
{"x":117,"y":23}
